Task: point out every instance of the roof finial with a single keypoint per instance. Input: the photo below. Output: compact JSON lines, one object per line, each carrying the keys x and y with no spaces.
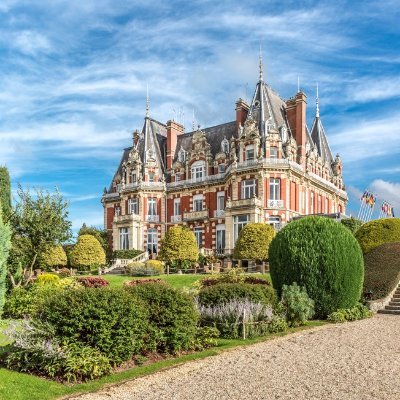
{"x":193,"y":125}
{"x":317,"y":103}
{"x":147,"y":102}
{"x":261,"y":64}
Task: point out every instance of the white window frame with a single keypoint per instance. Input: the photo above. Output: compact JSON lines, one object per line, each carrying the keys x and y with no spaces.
{"x":181,"y":155}
{"x":274,"y":189}
{"x":117,"y":210}
{"x":239,"y":222}
{"x":249,"y":188}
{"x":177,"y":177}
{"x":220,"y":201}
{"x":273,"y":152}
{"x":198,"y":234}
{"x":133,"y":206}
{"x":124,"y":238}
{"x":198,"y":202}
{"x":152,"y":240}
{"x":250,"y":148}
{"x":133,"y":177}
{"x":151,"y":206}
{"x":275,"y":221}
{"x":220,"y":237}
{"x":151,"y":176}
{"x":198,"y":170}
{"x":177,"y":206}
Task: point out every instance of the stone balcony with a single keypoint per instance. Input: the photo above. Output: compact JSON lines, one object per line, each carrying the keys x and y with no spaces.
{"x":275,"y":204}
{"x":152,"y":218}
{"x":193,"y":215}
{"x":127,"y":218}
{"x":219,"y":213}
{"x":176,"y":218}
{"x":242,"y":203}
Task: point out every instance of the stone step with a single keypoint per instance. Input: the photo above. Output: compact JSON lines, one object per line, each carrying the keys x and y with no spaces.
{"x":394,"y":302}
{"x":392,"y":307}
{"x":395,"y":312}
{"x":397,"y":296}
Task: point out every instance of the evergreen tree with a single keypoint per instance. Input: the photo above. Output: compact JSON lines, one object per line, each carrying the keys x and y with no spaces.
{"x":5,"y":244}
{"x":5,"y":192}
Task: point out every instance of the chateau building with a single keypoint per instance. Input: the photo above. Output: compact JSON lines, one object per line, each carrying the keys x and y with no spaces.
{"x":264,"y":166}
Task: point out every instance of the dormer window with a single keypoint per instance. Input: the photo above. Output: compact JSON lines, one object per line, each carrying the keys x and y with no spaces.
{"x":273,"y":152}
{"x":182,"y":155}
{"x":198,"y":170}
{"x":151,"y":177}
{"x":134,"y":177}
{"x":225,"y":146}
{"x":221,"y":168}
{"x":177,"y":177}
{"x":249,"y":152}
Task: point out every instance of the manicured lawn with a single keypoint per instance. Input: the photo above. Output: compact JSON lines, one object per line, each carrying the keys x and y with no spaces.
{"x":18,"y":386}
{"x":175,"y":280}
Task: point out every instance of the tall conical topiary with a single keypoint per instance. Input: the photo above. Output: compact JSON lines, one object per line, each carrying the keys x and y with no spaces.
{"x":5,"y":245}
{"x":322,"y":255}
{"x":5,"y":192}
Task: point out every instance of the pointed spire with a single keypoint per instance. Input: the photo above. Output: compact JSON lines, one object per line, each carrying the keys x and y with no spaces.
{"x":317,"y":103}
{"x":147,"y":102}
{"x":261,"y":64}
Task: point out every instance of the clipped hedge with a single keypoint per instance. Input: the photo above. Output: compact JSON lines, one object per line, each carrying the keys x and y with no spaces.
{"x":382,"y":270}
{"x":110,"y":320}
{"x":253,"y":242}
{"x":126,"y":254}
{"x":323,"y":256}
{"x":377,"y":232}
{"x":225,"y":292}
{"x":173,"y":316}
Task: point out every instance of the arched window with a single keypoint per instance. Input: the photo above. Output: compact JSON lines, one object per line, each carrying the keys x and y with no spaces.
{"x":152,"y":240}
{"x":182,"y":155}
{"x":225,"y":145}
{"x":198,"y":170}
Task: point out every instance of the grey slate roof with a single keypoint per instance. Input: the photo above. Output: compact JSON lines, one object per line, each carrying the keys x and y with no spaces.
{"x":321,"y":142}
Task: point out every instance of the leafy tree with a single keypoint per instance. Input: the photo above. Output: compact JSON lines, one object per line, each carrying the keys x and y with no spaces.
{"x":101,"y":235}
{"x":39,"y":221}
{"x":5,"y":192}
{"x":5,"y":244}
{"x":253,"y":242}
{"x":87,"y":253}
{"x":54,"y":256}
{"x":179,"y":247}
{"x":352,"y":223}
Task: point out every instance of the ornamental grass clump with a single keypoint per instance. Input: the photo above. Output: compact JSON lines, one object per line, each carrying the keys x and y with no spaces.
{"x":232,"y":317}
{"x":324,"y":257}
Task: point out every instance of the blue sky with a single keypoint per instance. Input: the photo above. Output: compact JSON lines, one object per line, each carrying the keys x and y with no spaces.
{"x":73,"y":78}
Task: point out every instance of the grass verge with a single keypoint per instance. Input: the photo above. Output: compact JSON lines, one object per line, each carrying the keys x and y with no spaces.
{"x":19,"y":386}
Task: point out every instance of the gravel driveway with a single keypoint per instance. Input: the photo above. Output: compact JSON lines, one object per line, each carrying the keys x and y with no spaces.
{"x":358,"y":360}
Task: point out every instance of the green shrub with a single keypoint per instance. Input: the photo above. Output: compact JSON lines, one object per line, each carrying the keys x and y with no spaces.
{"x":47,"y":279}
{"x":64,"y":273}
{"x":382,"y":270}
{"x":55,"y":256}
{"x":35,"y":350}
{"x":5,"y":193}
{"x":233,"y":275}
{"x":353,"y":224}
{"x":126,"y":254}
{"x":5,"y":245}
{"x":173,"y":317}
{"x":298,"y":306}
{"x":277,"y":324}
{"x":253,"y":242}
{"x":23,"y":302}
{"x":87,"y":253}
{"x":324,"y":257}
{"x":225,"y":292}
{"x":110,"y":320}
{"x":377,"y":232}
{"x":355,"y":313}
{"x":150,"y":268}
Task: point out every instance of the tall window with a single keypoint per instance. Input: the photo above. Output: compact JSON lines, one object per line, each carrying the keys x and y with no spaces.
{"x":273,"y":153}
{"x":124,"y":238}
{"x":151,"y":177}
{"x":249,"y":188}
{"x":220,"y":201}
{"x":312,"y":203}
{"x":220,"y":230}
{"x":177,"y":177}
{"x":117,"y":210}
{"x":239,"y":222}
{"x":319,"y":204}
{"x":198,"y":168}
{"x":133,"y":206}
{"x":181,"y":155}
{"x":198,"y":202}
{"x":152,"y":206}
{"x":177,"y":206}
{"x":249,"y":152}
{"x":326,"y":206}
{"x":152,"y":240}
{"x":274,"y":189}
{"x":198,"y":235}
{"x":133,"y":177}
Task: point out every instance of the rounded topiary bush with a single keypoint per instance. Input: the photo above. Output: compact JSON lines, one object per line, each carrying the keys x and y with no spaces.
{"x":253,"y":242}
{"x":225,"y":292}
{"x":87,"y":253}
{"x":55,"y":256}
{"x":323,"y":256}
{"x":378,"y":232}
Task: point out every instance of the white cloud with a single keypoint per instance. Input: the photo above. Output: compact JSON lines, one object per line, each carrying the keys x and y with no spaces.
{"x":374,"y":89}
{"x":31,"y":42}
